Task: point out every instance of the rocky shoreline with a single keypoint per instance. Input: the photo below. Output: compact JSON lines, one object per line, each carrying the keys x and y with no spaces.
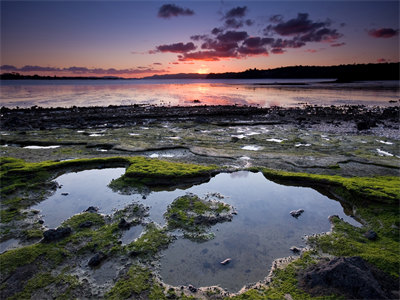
{"x":122,"y":116}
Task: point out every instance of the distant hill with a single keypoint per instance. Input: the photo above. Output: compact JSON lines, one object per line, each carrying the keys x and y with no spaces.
{"x":16,"y":76}
{"x":343,"y":73}
{"x":178,"y":76}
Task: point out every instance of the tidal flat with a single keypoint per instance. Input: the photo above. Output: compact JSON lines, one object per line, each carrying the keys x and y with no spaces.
{"x":126,"y":239}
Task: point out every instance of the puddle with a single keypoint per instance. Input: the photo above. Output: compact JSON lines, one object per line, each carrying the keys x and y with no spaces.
{"x":262,"y":231}
{"x":42,"y":147}
{"x":384,"y":142}
{"x":8,"y":245}
{"x":84,"y":189}
{"x":275,"y":140}
{"x":383,"y":153}
{"x":128,"y":236}
{"x":252,"y":148}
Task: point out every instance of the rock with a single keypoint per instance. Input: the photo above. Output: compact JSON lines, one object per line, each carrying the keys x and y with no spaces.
{"x":296,"y":213}
{"x":92,"y":209}
{"x":134,"y":253}
{"x":56,"y":234}
{"x":295,"y":249}
{"x":349,"y":276}
{"x":86,"y":224}
{"x":226,"y":261}
{"x":123,"y":224}
{"x":192,"y":288}
{"x":96,"y":259}
{"x":41,"y":222}
{"x":64,"y":194}
{"x":371,"y":235}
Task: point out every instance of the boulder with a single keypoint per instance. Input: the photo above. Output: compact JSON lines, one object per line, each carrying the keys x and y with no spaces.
{"x":96,"y":259}
{"x":296,"y":213}
{"x":351,"y":277}
{"x":92,"y":209}
{"x":371,"y":235}
{"x":123,"y":224}
{"x":56,"y":234}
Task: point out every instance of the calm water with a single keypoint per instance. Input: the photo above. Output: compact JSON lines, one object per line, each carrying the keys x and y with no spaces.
{"x":66,"y":93}
{"x":262,"y":231}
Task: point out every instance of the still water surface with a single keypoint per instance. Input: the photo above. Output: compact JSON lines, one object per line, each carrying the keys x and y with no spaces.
{"x":255,"y":92}
{"x":262,"y":231}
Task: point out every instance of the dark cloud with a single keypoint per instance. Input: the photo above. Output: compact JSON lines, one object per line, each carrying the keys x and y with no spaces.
{"x":157,"y":63}
{"x":219,"y":46}
{"x":302,"y":30}
{"x":383,"y":32}
{"x":277,"y":51}
{"x":237,"y":12}
{"x":256,"y":42}
{"x":199,"y":37}
{"x":171,"y":10}
{"x":276,"y":18}
{"x":233,"y":23}
{"x":232,"y":36}
{"x":249,"y":22}
{"x":382,"y":60}
{"x":321,"y":35}
{"x":299,"y":25}
{"x":81,"y":70}
{"x":177,"y":48}
{"x":253,"y":51}
{"x":234,"y":18}
{"x":216,"y":31}
{"x":338,"y":44}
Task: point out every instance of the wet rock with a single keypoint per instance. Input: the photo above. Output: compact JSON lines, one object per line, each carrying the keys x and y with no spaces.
{"x":96,"y":259}
{"x":64,"y":194}
{"x":349,"y":276}
{"x":296,"y":213}
{"x":225,"y":261}
{"x":56,"y":234}
{"x":192,"y":288}
{"x":86,"y":224}
{"x":295,"y":250}
{"x":123,"y":224}
{"x":371,"y":235}
{"x":92,"y":209}
{"x":134,"y":253}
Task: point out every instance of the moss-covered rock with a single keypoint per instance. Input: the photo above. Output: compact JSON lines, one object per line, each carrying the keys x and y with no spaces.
{"x":195,"y":215}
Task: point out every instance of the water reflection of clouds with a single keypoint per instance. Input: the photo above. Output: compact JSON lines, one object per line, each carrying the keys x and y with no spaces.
{"x":104,"y":93}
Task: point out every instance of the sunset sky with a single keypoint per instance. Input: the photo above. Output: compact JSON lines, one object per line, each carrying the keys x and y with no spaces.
{"x":142,"y":38}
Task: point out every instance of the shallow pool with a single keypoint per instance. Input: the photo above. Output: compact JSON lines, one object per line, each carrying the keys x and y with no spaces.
{"x":262,"y":231}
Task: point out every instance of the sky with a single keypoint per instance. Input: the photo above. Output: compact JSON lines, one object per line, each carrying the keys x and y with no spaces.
{"x":143,"y":38}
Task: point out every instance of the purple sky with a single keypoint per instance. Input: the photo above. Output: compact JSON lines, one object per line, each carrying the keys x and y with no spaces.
{"x":142,"y":38}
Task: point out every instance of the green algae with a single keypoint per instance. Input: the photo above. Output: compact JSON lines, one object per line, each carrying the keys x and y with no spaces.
{"x":347,"y":240}
{"x":384,"y":189}
{"x":285,"y":283}
{"x":151,"y":241}
{"x":194,"y":215}
{"x":138,"y":283}
{"x":75,"y":221}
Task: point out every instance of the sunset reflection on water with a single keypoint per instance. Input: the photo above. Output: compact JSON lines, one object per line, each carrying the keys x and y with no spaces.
{"x":262,"y":93}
